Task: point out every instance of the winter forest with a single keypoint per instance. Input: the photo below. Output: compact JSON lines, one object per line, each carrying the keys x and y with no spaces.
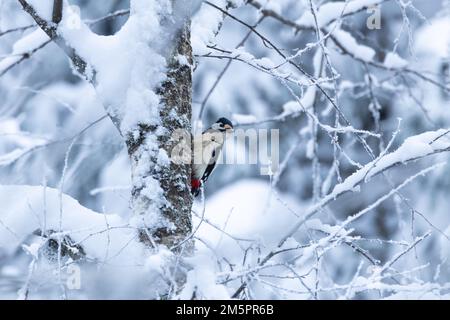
{"x":334,"y":183}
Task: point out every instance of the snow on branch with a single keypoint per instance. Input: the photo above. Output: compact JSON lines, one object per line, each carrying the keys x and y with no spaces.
{"x":413,"y":148}
{"x":332,"y":11}
{"x":50,"y":28}
{"x":344,"y":40}
{"x":23,"y":49}
{"x":207,"y":23}
{"x":349,"y":44}
{"x":26,"y":209}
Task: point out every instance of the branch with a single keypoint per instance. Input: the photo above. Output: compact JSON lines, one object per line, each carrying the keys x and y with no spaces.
{"x":414,"y":148}
{"x":51,"y":30}
{"x":42,"y":23}
{"x":348,"y":11}
{"x":388,"y":264}
{"x":19,"y":58}
{"x":84,"y":231}
{"x":17,"y":29}
{"x":298,"y":27}
{"x":115,"y":14}
{"x":311,"y":78}
{"x":401,"y":156}
{"x":57,"y":11}
{"x":15,"y":155}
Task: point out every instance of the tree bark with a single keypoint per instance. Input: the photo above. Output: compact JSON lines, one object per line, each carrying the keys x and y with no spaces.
{"x":175,"y":180}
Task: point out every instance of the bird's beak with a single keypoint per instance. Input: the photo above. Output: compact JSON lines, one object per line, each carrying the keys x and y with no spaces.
{"x":228,"y":128}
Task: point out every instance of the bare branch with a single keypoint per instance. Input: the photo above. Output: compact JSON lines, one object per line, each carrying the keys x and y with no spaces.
{"x":57,"y":11}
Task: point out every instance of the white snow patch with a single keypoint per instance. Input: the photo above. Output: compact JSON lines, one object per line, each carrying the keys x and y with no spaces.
{"x":24,"y":45}
{"x":134,"y":51}
{"x":353,"y":47}
{"x":394,"y":61}
{"x":28,"y":208}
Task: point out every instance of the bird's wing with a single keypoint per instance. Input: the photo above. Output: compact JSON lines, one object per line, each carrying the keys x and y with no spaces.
{"x":215,"y":152}
{"x":208,"y":171}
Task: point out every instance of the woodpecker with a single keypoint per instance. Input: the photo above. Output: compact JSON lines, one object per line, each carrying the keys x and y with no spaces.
{"x":207,"y":148}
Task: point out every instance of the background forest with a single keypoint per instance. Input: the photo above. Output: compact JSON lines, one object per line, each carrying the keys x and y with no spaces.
{"x":361,"y":98}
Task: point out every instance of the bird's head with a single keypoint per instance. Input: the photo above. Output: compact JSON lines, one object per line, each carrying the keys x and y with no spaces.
{"x":223,"y":125}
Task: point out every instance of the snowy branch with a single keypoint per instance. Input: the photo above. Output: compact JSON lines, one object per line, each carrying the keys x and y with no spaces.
{"x":51,"y":31}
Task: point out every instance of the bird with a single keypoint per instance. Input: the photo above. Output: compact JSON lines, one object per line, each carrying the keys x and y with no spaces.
{"x":207,"y":148}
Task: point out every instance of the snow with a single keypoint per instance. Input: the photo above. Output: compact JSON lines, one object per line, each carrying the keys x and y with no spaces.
{"x":242,"y":215}
{"x":158,"y":262}
{"x":128,"y":88}
{"x":202,"y":280}
{"x":237,"y":210}
{"x":241,"y":53}
{"x":33,"y":249}
{"x":412,"y":148}
{"x":331,"y":11}
{"x":310,"y":149}
{"x":316,"y":224}
{"x":266,"y":63}
{"x":22,"y":142}
{"x":434,"y":38}
{"x":432,"y":48}
{"x":248,"y":226}
{"x":306,"y":103}
{"x":182,"y":60}
{"x":247,"y":57}
{"x":205,"y":25}
{"x":394,"y":61}
{"x":24,"y":45}
{"x":297,"y":216}
{"x":119,"y":260}
{"x":29,"y":208}
{"x":357,"y":50}
{"x":117,"y":200}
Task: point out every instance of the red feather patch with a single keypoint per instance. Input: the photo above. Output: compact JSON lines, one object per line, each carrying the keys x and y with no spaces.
{"x":195,"y":183}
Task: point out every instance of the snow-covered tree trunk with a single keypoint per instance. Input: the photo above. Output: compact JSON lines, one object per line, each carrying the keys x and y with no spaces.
{"x":142,"y":74}
{"x":174,"y":201}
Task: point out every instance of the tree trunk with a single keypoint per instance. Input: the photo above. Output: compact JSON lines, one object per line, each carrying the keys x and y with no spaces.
{"x":169,"y":214}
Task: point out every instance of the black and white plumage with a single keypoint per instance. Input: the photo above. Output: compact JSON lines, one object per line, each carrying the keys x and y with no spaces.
{"x":207,"y":148}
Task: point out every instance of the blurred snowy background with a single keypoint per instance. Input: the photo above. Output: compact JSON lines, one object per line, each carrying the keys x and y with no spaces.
{"x":405,"y":75}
